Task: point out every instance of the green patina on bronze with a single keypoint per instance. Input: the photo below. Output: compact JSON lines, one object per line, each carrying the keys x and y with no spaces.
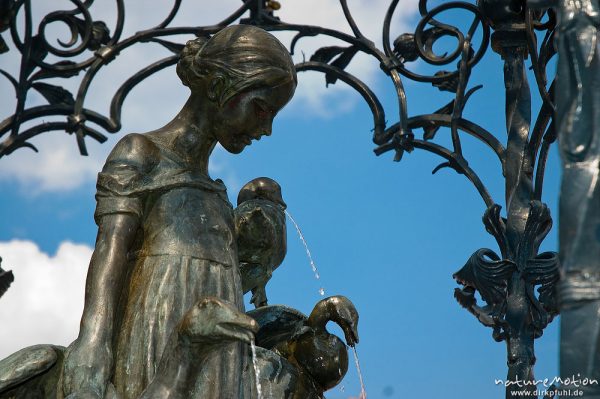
{"x":164,"y":314}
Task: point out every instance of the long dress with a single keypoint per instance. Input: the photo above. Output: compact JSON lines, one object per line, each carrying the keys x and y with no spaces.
{"x":184,"y":250}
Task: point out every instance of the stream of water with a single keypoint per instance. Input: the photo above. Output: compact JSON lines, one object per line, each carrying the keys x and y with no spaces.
{"x":310,"y":259}
{"x":256,"y":372}
{"x":363,"y":393}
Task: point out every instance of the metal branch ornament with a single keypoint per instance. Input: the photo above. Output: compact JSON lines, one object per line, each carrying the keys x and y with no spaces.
{"x":6,"y":279}
{"x":507,"y":281}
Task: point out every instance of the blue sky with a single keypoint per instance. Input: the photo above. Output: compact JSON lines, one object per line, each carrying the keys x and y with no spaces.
{"x":386,"y":235}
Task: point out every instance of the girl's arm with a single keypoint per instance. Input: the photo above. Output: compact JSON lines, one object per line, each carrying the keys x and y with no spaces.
{"x":89,"y":360}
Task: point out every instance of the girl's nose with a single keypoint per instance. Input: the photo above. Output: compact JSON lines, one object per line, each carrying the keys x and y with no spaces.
{"x":267,"y":127}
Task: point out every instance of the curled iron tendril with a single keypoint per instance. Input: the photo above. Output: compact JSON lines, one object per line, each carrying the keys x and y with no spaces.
{"x":512,"y":275}
{"x":91,"y":36}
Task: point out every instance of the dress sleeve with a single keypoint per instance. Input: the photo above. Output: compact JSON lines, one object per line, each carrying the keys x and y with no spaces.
{"x":120,"y":185}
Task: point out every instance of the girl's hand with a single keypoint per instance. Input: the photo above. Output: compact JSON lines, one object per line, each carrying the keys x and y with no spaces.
{"x":86,"y":369}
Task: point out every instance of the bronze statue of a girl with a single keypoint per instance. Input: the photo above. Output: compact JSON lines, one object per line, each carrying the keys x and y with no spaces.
{"x":165,"y":229}
{"x":164,"y":313}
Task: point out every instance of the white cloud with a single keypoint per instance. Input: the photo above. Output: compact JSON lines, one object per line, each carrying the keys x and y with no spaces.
{"x":45,"y":302}
{"x":368,"y":15}
{"x":59,"y":167}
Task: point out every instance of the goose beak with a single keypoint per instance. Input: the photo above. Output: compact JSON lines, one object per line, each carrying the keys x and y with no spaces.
{"x":212,"y":320}
{"x":282,"y":204}
{"x":351,"y":334}
{"x":242,"y":329}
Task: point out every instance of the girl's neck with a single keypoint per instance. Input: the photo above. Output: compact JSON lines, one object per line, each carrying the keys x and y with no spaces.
{"x":189,"y":136}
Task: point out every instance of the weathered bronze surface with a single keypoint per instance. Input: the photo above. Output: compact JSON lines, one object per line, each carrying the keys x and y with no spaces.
{"x":261,"y":235}
{"x":518,"y":284}
{"x":320,"y":359}
{"x":164,"y":313}
{"x":32,"y":372}
{"x":166,"y":233}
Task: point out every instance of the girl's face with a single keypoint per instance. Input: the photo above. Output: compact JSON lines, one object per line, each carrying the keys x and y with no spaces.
{"x":249,"y":115}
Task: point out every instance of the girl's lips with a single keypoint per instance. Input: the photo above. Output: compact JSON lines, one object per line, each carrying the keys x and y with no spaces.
{"x":247,"y":139}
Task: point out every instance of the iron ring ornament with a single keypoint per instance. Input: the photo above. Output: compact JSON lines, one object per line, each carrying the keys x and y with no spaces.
{"x":507,"y":281}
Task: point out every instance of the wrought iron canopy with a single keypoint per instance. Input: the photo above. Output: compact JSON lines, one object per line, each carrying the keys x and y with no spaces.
{"x":507,"y":281}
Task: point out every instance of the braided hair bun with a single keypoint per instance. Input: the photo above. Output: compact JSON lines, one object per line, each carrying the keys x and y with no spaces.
{"x":247,"y":56}
{"x":186,"y":67}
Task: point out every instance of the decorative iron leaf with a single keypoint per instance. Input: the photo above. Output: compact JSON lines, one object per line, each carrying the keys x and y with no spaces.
{"x":495,"y":224}
{"x":7,"y":13}
{"x":326,"y":54}
{"x":470,"y":92}
{"x":544,"y":271}
{"x":25,"y":144}
{"x":38,"y":49}
{"x":548,"y":49}
{"x":6,"y":278}
{"x":445,"y":165}
{"x":62,"y":73}
{"x":38,"y":53}
{"x":341,"y":62}
{"x":449,"y":84}
{"x":344,"y":59}
{"x":10,"y":78}
{"x":430,"y":130}
{"x":100,"y":34}
{"x":485,"y":272}
{"x":455,"y":163}
{"x":3,"y":47}
{"x":465,"y":296}
{"x":54,"y":94}
{"x":537,"y":227}
{"x":175,"y":48}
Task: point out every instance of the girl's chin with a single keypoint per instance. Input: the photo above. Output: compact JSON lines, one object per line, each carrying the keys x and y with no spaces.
{"x":234,"y":148}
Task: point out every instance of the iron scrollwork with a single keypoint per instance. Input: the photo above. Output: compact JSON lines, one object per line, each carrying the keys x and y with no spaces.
{"x":505,"y":281}
{"x":6,"y":279}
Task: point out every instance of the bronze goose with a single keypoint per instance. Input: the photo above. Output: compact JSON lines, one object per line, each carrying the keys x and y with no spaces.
{"x":320,"y":357}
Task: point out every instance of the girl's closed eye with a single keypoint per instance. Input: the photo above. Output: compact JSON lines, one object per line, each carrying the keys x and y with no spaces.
{"x":261,"y":109}
{"x":235,"y":101}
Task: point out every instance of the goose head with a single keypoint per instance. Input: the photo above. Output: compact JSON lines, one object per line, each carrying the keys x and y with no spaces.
{"x":213,"y":321}
{"x":261,"y":188}
{"x":340,"y":310}
{"x":323,"y":356}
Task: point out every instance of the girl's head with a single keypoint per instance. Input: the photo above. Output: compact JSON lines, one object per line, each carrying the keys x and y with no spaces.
{"x":247,"y":74}
{"x":240,"y":57}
